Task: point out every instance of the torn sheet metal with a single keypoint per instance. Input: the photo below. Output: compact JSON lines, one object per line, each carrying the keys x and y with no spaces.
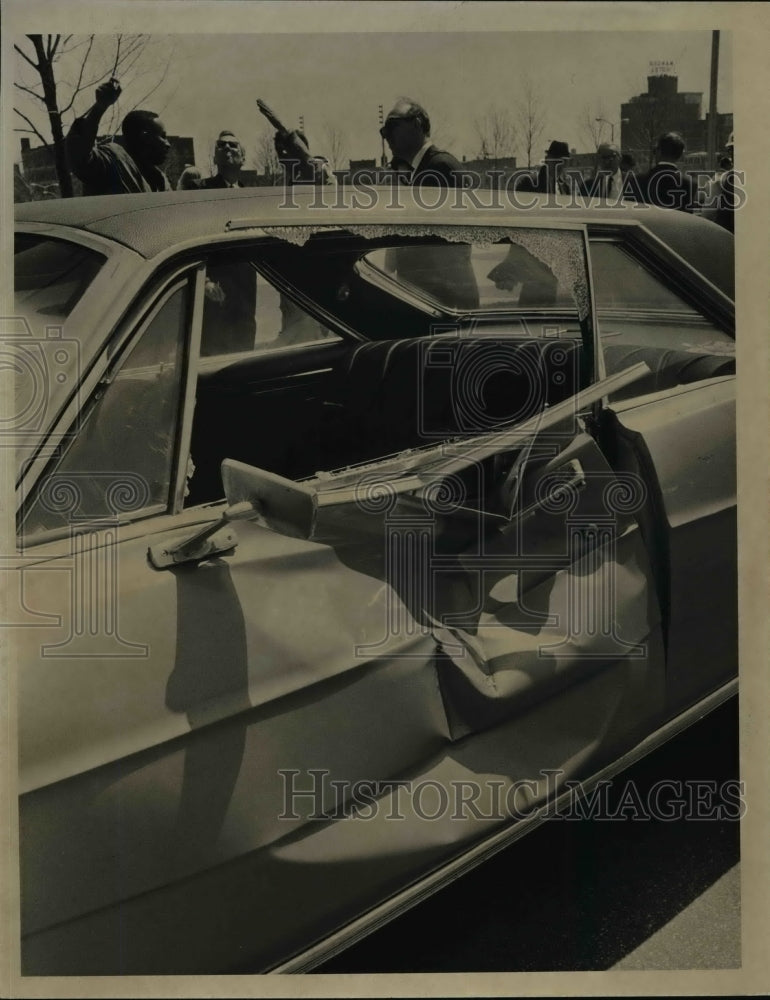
{"x":560,"y":594}
{"x":527,"y":643}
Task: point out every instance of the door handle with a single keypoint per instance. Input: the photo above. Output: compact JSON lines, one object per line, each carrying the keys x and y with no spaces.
{"x":207,"y":541}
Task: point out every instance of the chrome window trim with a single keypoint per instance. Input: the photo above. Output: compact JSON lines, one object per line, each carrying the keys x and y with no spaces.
{"x":130,"y":331}
{"x":190,"y":357}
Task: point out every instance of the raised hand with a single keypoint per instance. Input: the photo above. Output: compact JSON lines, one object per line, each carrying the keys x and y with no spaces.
{"x":107,"y":93}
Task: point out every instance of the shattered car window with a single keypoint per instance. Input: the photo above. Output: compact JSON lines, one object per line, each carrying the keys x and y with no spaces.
{"x":553,"y":259}
{"x":489,"y":279}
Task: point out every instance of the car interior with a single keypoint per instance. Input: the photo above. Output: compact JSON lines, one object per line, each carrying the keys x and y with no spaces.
{"x":353,"y":403}
{"x":432,"y":367}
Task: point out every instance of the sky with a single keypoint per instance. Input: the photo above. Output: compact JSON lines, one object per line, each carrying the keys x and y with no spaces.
{"x":338,"y":79}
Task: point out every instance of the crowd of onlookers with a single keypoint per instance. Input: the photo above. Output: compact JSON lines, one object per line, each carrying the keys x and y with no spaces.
{"x":136,"y":164}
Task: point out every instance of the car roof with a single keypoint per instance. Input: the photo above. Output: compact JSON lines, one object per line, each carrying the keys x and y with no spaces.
{"x":154,"y":223}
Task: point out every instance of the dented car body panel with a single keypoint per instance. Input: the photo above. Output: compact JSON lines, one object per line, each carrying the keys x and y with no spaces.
{"x":306,"y":622}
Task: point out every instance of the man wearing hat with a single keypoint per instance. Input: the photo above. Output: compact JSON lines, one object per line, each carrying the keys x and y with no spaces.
{"x":551,"y":178}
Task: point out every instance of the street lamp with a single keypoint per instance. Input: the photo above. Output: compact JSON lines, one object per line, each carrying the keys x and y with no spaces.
{"x":612,"y":128}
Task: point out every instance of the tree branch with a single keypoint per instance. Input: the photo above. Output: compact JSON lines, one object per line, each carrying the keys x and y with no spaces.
{"x":136,"y":51}
{"x":32,"y":127}
{"x":25,"y":56}
{"x":78,"y":87}
{"x":28,"y":90}
{"x":152,"y":91}
{"x":117,"y":56}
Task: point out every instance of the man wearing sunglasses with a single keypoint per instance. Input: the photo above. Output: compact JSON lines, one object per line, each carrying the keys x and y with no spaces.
{"x":230,"y":291}
{"x":443,"y":272}
{"x":407,"y":132}
{"x":229,"y":155}
{"x":125,"y":167}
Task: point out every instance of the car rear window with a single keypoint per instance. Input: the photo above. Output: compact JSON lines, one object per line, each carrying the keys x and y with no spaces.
{"x":50,"y":276}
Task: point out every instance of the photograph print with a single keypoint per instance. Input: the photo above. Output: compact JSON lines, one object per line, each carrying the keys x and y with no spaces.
{"x":373,"y":437}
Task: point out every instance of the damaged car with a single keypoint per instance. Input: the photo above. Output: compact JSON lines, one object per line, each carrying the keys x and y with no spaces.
{"x":350,"y":544}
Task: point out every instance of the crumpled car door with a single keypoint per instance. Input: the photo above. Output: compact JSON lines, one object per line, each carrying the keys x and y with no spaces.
{"x":518,"y":552}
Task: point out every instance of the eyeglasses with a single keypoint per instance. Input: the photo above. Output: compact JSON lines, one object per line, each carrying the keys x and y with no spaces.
{"x":228,"y":144}
{"x":394,"y":120}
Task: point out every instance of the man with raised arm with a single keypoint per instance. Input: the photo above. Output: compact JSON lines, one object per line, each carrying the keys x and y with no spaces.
{"x":112,"y":168}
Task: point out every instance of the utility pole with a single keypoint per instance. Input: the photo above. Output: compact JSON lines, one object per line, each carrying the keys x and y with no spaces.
{"x":711,"y":136}
{"x":383,"y":161}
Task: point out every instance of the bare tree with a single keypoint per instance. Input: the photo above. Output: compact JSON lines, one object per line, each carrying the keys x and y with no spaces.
{"x":334,"y":146}
{"x":41,"y":59}
{"x":530,"y":116}
{"x":56,"y":73}
{"x":265,"y":157}
{"x":496,"y":133}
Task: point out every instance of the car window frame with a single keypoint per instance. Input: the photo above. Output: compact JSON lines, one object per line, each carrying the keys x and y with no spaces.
{"x":681,"y":278}
{"x":252,"y":253}
{"x":94,"y":310}
{"x":113,"y":354}
{"x":671,"y":269}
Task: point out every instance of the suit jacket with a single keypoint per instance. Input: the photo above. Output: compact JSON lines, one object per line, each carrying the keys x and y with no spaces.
{"x":215,"y":182}
{"x":443,"y":272}
{"x":438,"y":168}
{"x":189,"y":181}
{"x":666,"y":186}
{"x":543,"y":184}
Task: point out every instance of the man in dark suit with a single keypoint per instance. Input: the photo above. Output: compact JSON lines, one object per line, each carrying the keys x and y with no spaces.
{"x":229,"y":155}
{"x":552,"y":177}
{"x":407,"y":132}
{"x":665,"y":184}
{"x":443,"y":272}
{"x":230,"y":292}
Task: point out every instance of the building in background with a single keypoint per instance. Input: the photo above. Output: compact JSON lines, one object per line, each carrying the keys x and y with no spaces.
{"x":664,"y":108}
{"x":491,"y":172}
